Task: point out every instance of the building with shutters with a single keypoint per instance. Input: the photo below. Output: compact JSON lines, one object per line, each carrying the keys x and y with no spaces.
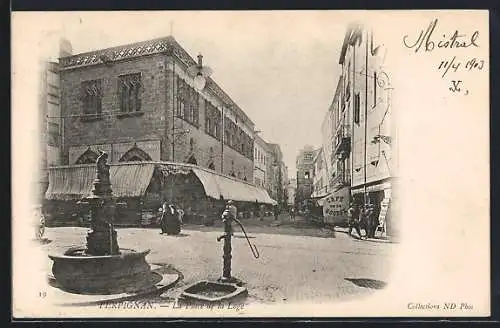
{"x":262,"y":163}
{"x":365,"y":132}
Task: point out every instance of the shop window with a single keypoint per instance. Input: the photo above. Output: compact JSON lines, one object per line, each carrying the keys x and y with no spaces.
{"x":92,"y":97}
{"x":130,"y":88}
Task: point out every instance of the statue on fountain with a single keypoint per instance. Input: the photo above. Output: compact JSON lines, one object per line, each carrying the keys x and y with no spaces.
{"x":101,"y":266}
{"x":101,"y":240}
{"x":102,"y":166}
{"x":102,"y":185}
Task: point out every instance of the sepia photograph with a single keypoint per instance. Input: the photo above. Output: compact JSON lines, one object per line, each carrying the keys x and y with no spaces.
{"x":252,"y":163}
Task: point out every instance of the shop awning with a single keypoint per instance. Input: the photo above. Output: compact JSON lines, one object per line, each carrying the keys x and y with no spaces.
{"x":76,"y":181}
{"x":222,"y":187}
{"x":209,"y":183}
{"x":318,"y":195}
{"x":375,"y":187}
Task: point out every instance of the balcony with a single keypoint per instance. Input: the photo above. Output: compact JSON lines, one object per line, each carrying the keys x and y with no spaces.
{"x":341,"y":179}
{"x":342,"y":145}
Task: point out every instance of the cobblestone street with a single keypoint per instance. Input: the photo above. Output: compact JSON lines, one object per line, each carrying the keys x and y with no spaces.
{"x":295,"y":264}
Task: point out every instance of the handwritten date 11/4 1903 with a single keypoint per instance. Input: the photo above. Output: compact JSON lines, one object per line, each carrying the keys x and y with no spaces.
{"x":454,"y":65}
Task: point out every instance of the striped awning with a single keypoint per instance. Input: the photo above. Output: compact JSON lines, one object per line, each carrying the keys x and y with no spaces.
{"x":133,"y":178}
{"x":76,"y":181}
{"x":218,"y":186}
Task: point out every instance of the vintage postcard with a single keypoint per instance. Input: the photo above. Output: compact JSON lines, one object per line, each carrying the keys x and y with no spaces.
{"x":250,"y":164}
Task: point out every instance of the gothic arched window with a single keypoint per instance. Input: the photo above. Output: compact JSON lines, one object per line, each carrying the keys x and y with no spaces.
{"x":135,"y":155}
{"x":192,"y":160}
{"x":88,"y":157}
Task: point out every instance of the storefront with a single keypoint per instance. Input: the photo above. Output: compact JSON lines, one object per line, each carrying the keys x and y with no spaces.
{"x":141,"y":187}
{"x":316,"y":205}
{"x":379,"y":194}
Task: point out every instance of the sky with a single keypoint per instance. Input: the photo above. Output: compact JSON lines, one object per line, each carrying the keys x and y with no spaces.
{"x":280,"y":67}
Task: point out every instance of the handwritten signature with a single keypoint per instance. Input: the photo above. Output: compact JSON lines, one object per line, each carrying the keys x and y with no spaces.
{"x":429,"y":40}
{"x":426,"y":42}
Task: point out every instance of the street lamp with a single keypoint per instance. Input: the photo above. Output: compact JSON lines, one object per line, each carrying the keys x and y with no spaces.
{"x":199,"y":73}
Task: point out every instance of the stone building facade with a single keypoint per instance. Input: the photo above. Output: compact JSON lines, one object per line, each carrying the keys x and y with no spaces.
{"x":262,"y":164}
{"x":305,"y":172}
{"x":278,"y":179}
{"x":139,"y":102}
{"x":320,"y":176}
{"x":51,"y":140}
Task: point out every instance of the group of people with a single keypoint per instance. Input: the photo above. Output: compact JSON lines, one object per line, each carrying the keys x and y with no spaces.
{"x":363,"y":217}
{"x":171,"y":219}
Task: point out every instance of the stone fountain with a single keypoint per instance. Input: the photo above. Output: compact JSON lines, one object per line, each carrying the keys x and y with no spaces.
{"x":101,"y":267}
{"x":227,"y":287}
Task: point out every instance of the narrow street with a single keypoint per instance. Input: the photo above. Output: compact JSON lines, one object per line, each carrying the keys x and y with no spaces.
{"x":295,"y":264}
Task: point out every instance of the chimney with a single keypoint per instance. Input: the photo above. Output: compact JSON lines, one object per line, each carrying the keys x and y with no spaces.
{"x":200,"y":60}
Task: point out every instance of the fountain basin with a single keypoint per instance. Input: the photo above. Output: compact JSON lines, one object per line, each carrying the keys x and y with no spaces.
{"x":210,"y":291}
{"x":76,"y":272}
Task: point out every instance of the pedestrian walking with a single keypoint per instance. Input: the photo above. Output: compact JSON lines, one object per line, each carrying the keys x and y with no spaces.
{"x":172,"y":222}
{"x":163,"y":218}
{"x":276,"y":213}
{"x":364,"y":218}
{"x":292,"y":214}
{"x":354,"y":219}
{"x":372,"y":221}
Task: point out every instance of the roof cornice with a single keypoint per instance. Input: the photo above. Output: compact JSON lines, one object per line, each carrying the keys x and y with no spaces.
{"x":138,"y":49}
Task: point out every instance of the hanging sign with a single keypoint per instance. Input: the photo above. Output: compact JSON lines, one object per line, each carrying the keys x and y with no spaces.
{"x":384,"y":207}
{"x":335,"y":205}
